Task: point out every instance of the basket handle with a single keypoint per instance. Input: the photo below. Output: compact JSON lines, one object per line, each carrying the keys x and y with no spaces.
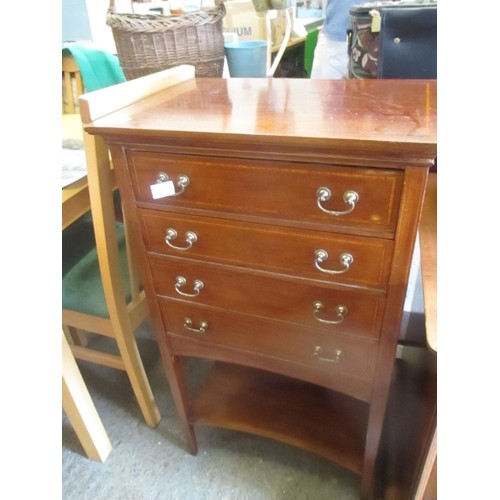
{"x":112,"y":7}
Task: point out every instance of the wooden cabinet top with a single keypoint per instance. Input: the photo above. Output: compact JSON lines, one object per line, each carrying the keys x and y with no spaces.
{"x":391,"y":119}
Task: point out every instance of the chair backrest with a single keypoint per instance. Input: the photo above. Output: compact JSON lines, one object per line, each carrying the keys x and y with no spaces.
{"x":99,"y":103}
{"x":72,"y":84}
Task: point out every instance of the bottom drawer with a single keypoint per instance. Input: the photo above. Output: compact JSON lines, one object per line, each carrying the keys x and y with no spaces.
{"x":342,"y":354}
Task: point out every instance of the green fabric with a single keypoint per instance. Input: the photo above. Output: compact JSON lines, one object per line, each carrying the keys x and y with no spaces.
{"x":99,"y":68}
{"x":311,"y":41}
{"x":82,"y":288}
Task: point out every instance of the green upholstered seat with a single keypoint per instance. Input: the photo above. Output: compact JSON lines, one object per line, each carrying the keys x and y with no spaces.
{"x":82,"y":288}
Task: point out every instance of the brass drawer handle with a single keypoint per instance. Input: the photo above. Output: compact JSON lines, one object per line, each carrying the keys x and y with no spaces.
{"x":172,"y":235}
{"x":181,"y":281}
{"x":182,"y":182}
{"x":318,"y":350}
{"x":346,"y":259}
{"x":340,"y":309}
{"x":188,"y":325}
{"x":350,"y":197}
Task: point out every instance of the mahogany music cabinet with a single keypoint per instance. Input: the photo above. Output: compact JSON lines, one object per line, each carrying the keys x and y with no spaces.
{"x":274,"y":222}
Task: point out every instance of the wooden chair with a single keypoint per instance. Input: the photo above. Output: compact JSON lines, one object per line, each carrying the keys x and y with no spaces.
{"x":72,"y":85}
{"x":80,"y":409}
{"x":120,"y":303}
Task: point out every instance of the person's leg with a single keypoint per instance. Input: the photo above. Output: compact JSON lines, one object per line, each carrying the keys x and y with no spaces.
{"x":330,"y":59}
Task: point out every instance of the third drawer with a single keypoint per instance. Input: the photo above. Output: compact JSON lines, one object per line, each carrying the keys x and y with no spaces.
{"x":267,"y":295}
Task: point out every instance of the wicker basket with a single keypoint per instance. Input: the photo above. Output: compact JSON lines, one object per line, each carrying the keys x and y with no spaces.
{"x":150,"y":43}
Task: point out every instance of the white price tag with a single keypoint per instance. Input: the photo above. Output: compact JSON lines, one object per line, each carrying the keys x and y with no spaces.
{"x":162,"y":189}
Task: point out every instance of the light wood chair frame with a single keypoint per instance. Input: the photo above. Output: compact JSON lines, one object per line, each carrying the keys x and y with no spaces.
{"x":72,"y":84}
{"x":80,"y":409}
{"x":123,"y":318}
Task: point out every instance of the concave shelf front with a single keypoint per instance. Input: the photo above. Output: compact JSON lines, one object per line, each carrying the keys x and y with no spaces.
{"x":292,"y":411}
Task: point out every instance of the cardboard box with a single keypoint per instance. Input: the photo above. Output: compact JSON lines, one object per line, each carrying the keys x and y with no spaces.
{"x":242,"y":19}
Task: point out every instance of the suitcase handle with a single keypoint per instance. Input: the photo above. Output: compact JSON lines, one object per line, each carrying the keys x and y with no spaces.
{"x":349,"y":41}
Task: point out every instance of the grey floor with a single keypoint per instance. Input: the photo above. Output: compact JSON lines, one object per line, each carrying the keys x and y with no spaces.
{"x":153,"y":464}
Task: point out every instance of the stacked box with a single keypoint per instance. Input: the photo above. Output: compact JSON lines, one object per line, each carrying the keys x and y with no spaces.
{"x":241,"y":18}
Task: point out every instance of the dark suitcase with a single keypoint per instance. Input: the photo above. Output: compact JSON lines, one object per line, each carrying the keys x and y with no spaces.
{"x":393,"y":39}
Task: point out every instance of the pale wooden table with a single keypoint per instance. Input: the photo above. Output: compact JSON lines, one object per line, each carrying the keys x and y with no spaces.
{"x":428,"y":262}
{"x":75,"y":197}
{"x":428,"y":255}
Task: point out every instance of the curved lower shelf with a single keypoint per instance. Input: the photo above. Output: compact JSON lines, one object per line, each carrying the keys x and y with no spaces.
{"x":311,"y":417}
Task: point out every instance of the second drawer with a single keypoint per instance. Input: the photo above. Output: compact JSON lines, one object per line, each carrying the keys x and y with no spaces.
{"x":330,"y":258}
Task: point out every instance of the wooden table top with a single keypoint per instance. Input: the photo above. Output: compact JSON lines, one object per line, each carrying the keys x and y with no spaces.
{"x":303,"y":114}
{"x":75,"y":196}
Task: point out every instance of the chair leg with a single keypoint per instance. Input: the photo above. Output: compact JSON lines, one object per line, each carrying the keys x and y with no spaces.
{"x":129,"y":352}
{"x":80,"y":409}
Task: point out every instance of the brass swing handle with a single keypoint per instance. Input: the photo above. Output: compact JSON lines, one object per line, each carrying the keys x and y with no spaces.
{"x":190,"y":238}
{"x":341,"y":311}
{"x":181,"y":281}
{"x":318,"y":350}
{"x":320,"y":256}
{"x":188,"y":325}
{"x":350,"y":198}
{"x":182,"y":182}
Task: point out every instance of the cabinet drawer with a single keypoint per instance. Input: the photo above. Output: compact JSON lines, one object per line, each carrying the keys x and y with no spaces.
{"x":330,"y":258}
{"x":261,"y":294}
{"x":277,"y":190}
{"x":334,"y":352}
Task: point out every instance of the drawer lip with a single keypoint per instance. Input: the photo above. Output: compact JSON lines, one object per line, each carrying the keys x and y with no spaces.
{"x":272,"y":191}
{"x":313,"y":151}
{"x":288,"y":252}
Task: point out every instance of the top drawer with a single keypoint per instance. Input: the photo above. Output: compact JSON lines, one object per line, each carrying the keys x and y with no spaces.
{"x":307,"y":193}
